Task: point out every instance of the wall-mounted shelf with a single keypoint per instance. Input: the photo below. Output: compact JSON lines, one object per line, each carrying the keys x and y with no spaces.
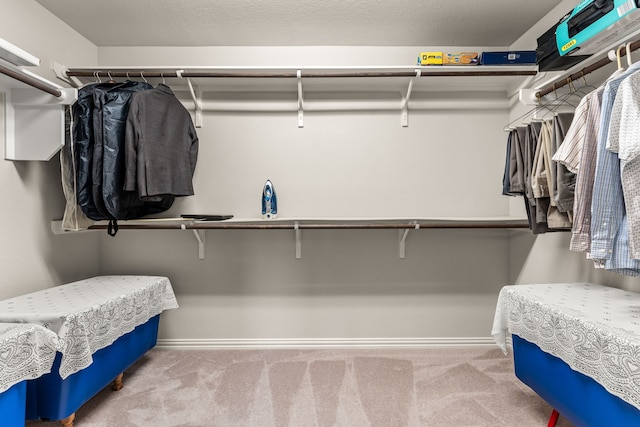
{"x":33,"y":108}
{"x":318,"y":88}
{"x":403,"y":225}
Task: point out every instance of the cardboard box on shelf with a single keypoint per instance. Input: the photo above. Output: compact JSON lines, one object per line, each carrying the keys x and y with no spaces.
{"x":460,"y":58}
{"x":522,"y":57}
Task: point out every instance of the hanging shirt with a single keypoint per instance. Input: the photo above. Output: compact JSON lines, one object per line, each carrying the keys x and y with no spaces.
{"x":577,"y":153}
{"x":628,"y":143}
{"x":620,"y":260}
{"x":607,"y":201}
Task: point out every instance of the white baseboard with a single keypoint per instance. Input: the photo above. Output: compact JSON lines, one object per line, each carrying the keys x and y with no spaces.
{"x":275,"y":343}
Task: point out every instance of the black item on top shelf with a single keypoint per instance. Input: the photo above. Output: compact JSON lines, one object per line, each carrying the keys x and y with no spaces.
{"x":548,"y":57}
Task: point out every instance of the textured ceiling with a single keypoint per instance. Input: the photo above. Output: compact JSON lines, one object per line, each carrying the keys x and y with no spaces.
{"x":300,"y":22}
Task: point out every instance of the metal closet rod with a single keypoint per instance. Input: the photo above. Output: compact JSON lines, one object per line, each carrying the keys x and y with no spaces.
{"x":28,"y":80}
{"x":217,"y":74}
{"x":586,"y":70}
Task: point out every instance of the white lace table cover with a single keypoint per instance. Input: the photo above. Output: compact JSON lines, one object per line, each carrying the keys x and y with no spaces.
{"x":91,"y":314}
{"x":27,"y":352}
{"x":594,"y":329}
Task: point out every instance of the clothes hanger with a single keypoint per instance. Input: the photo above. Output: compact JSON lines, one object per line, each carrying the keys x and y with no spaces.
{"x":540,"y":107}
{"x":551,"y":107}
{"x":619,"y":58}
{"x":578,"y":93}
{"x":628,"y":49}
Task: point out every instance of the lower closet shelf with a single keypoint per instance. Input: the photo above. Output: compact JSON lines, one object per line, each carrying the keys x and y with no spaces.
{"x":403,"y":225}
{"x":317,"y":223}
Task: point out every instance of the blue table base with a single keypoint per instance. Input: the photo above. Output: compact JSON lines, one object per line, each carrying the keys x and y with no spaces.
{"x":577,"y":397}
{"x":52,"y":398}
{"x":12,"y":405}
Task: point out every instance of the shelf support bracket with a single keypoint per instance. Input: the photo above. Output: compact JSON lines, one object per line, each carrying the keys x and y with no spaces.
{"x":296,"y":227}
{"x":404,"y":118}
{"x":528,"y":96}
{"x":200,"y":238}
{"x":196,"y":95}
{"x":402,"y":234}
{"x":61,"y":73}
{"x":300,"y":100}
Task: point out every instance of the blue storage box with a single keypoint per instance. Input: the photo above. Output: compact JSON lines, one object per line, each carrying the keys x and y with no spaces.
{"x":13,"y":405}
{"x":520,"y":57}
{"x":28,"y":353}
{"x":577,"y":397}
{"x":100,"y":326}
{"x":52,"y":398}
{"x":575,"y":345}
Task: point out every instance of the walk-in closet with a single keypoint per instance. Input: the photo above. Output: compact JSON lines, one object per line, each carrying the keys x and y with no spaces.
{"x":333,"y":231}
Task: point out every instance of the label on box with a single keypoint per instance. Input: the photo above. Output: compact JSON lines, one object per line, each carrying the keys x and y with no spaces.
{"x":430,"y":58}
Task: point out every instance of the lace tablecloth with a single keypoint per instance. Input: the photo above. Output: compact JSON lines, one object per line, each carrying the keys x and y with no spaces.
{"x":91,"y":314}
{"x":594,"y":329}
{"x":26,"y":352}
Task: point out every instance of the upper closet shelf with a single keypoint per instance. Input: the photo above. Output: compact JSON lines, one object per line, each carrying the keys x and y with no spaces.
{"x":326,"y":88}
{"x":33,"y":108}
{"x":263,"y":78}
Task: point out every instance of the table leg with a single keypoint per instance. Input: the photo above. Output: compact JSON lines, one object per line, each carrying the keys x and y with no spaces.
{"x":117,"y":383}
{"x":553,"y":420}
{"x":68,"y":422}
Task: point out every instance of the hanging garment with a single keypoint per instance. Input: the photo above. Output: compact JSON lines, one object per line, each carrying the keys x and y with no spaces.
{"x":610,"y":227}
{"x":73,"y":218}
{"x":608,"y":211}
{"x":506,"y":177}
{"x":564,"y":191}
{"x":516,"y":162}
{"x":556,"y":219}
{"x":539,"y":176}
{"x":627,"y":110}
{"x":160,"y":145}
{"x":84,"y":141}
{"x":111,"y":106}
{"x":532,"y":135}
{"x":578,"y":154}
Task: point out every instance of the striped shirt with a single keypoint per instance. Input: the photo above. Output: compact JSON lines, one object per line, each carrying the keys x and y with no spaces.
{"x":577,"y":153}
{"x":629,"y":153}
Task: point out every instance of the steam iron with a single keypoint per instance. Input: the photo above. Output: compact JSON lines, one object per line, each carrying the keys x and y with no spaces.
{"x":269,"y":201}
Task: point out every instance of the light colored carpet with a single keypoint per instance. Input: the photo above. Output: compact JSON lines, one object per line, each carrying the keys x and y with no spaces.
{"x":458,"y":387}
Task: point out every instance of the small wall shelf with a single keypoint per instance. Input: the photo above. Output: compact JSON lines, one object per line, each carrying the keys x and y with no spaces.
{"x":403,"y":225}
{"x":33,"y":108}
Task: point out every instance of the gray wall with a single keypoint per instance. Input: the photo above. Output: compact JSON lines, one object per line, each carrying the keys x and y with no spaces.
{"x":348,"y":284}
{"x":31,"y":257}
